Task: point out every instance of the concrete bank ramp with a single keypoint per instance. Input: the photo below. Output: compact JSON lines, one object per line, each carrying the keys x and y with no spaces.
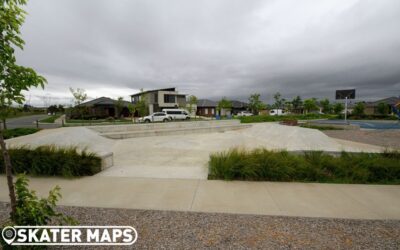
{"x":79,"y":137}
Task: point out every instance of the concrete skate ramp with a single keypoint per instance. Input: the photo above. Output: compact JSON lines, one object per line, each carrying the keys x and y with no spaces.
{"x":186,"y":156}
{"x":80,"y":137}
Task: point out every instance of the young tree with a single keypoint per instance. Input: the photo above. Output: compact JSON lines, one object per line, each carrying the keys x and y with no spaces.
{"x":61,"y":108}
{"x":141,"y":106}
{"x":13,"y":78}
{"x":119,"y":105}
{"x":338,"y":108}
{"x":359,"y":109}
{"x":310,"y":104}
{"x":297,"y":102}
{"x":79,"y":96}
{"x":224,"y":104}
{"x":326,"y":106}
{"x":192,"y":102}
{"x":255,"y":104}
{"x":383,"y":108}
{"x":278,"y":100}
{"x":52,"y":109}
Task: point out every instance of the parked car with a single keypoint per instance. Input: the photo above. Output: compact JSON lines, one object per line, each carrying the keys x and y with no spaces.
{"x":177,"y":114}
{"x":277,"y":112}
{"x":155,"y":117}
{"x":245,"y":113}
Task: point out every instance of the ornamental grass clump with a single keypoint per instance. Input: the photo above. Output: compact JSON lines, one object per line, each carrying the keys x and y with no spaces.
{"x":313,"y":166}
{"x":51,"y":160}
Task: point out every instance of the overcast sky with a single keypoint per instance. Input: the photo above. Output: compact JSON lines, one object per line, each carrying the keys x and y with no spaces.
{"x":213,"y":48}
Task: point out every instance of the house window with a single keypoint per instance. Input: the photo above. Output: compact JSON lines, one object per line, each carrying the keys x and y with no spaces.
{"x":169,"y":98}
{"x":212,"y":111}
{"x":206,"y":111}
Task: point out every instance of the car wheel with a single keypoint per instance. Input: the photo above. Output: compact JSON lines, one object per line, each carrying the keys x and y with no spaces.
{"x":165,"y":120}
{"x":188,"y":118}
{"x":147,"y":121}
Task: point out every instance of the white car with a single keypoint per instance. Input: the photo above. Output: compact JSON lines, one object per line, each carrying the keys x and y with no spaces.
{"x":245,"y":113}
{"x":177,"y":114}
{"x":155,"y":117}
{"x":277,"y":112}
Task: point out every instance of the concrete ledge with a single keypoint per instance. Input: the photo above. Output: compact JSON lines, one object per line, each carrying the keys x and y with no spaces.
{"x":107,"y":160}
{"x":167,"y":125}
{"x":176,"y":131}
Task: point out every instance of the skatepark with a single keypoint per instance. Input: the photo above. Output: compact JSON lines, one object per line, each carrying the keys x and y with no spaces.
{"x":181,"y":150}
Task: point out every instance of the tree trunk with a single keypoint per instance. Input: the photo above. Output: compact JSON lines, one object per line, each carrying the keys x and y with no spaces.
{"x":4,"y":124}
{"x":8,"y":170}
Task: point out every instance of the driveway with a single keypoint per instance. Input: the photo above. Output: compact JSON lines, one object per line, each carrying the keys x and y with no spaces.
{"x":29,"y":122}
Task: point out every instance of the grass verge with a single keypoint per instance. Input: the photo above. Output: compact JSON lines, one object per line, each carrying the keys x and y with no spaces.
{"x":264,"y":165}
{"x":269,"y":118}
{"x":50,"y":119}
{"x":15,"y":132}
{"x":53,"y":161}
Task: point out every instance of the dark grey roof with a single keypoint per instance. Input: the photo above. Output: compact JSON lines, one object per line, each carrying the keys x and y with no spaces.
{"x":154,"y":90}
{"x":390,"y":100}
{"x":102,"y":101}
{"x":239,"y":104}
{"x":206,"y":103}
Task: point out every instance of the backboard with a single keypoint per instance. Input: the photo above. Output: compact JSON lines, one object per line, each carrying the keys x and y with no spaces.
{"x":342,"y":94}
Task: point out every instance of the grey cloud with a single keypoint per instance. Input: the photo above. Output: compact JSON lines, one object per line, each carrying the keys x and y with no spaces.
{"x":217,"y":48}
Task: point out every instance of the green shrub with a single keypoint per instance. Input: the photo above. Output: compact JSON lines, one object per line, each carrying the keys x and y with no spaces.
{"x":15,"y":132}
{"x":277,"y":118}
{"x":32,"y":210}
{"x":321,"y":127}
{"x":53,"y":161}
{"x":315,"y":166}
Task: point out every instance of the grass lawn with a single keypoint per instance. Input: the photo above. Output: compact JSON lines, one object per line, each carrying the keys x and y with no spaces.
{"x":50,"y":119}
{"x":21,"y":114}
{"x":316,"y":166}
{"x":15,"y":132}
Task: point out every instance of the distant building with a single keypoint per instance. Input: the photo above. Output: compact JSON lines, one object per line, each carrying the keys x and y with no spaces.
{"x":159,"y":99}
{"x":102,"y":107}
{"x":238,"y":106}
{"x":371,"y":108}
{"x":206,"y":107}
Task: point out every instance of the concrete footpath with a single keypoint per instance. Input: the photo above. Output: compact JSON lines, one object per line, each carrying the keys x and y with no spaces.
{"x":265,"y":198}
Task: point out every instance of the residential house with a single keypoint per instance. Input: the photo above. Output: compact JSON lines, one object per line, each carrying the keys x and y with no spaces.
{"x":371,"y":108}
{"x":238,"y":106}
{"x":102,"y":107}
{"x":206,"y":107}
{"x":158,"y":99}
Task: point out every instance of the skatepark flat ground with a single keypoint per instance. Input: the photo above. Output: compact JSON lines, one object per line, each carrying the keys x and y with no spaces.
{"x":186,"y":156}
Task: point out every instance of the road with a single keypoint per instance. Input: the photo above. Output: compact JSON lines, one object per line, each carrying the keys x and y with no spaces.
{"x":29,"y":122}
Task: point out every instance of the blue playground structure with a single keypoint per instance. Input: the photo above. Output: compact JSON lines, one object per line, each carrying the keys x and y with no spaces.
{"x":396,"y":110}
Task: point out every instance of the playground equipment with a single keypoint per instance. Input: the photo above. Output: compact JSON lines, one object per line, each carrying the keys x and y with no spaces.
{"x":396,"y":109}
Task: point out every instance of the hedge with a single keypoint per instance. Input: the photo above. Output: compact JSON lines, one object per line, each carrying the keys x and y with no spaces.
{"x":52,"y":161}
{"x":277,"y":118}
{"x":264,"y":165}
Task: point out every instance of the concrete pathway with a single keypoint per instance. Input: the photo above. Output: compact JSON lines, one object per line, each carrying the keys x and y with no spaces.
{"x":266,"y":198}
